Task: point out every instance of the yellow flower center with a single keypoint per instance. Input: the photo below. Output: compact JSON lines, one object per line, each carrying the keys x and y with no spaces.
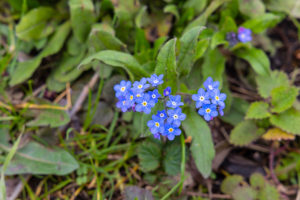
{"x":144,"y":103}
{"x":138,"y":95}
{"x":170,"y":130}
{"x":131,"y":97}
{"x":140,"y":86}
{"x":207,"y":110}
{"x":156,"y":124}
{"x":217,"y":98}
{"x":123,"y":89}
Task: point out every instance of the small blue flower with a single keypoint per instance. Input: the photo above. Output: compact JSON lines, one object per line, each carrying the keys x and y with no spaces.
{"x":244,"y":34}
{"x":218,"y":98}
{"x":231,"y":37}
{"x":138,"y":94}
{"x":175,"y":117}
{"x":122,"y":88}
{"x":130,"y":98}
{"x":201,"y":98}
{"x":162,"y":114}
{"x":145,"y":104}
{"x":123,"y":104}
{"x":167,"y":91}
{"x":221,"y":112}
{"x":156,"y":125}
{"x":156,"y":136}
{"x":171,"y":131}
{"x":141,"y":85}
{"x":154,"y":95}
{"x":210,"y":85}
{"x":174,"y":101}
{"x":209,"y":111}
{"x":155,"y":80}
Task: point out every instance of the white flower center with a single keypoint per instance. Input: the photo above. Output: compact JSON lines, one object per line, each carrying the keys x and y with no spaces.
{"x":161,"y":115}
{"x":123,"y":102}
{"x":210,"y":87}
{"x":175,"y":116}
{"x":153,"y":96}
{"x":201,"y":98}
{"x":156,"y":124}
{"x":207,"y":110}
{"x":144,"y":103}
{"x":170,"y":130}
{"x":123,"y":89}
{"x":155,"y":81}
{"x":173,"y":103}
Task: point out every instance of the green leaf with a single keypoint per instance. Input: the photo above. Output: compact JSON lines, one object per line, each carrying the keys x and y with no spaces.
{"x":261,"y":23}
{"x":257,"y":180}
{"x":290,"y":7}
{"x":34,"y":158}
{"x":267,"y":83}
{"x":166,"y":64}
{"x":268,"y":192}
{"x":230,"y":183}
{"x":244,"y":133}
{"x":218,"y":39}
{"x":52,"y":118}
{"x":35,"y":24}
{"x":258,"y":110}
{"x":188,"y":43}
{"x":149,"y":155}
{"x":237,"y":111}
{"x":257,"y":58}
{"x":172,"y":159}
{"x":171,"y":8}
{"x":253,"y":8}
{"x":201,"y":47}
{"x":202,"y":146}
{"x":118,"y":59}
{"x":244,"y":193}
{"x":283,"y":98}
{"x":288,"y":121}
{"x":228,"y":25}
{"x":82,"y":18}
{"x":214,"y":65}
{"x":25,"y":69}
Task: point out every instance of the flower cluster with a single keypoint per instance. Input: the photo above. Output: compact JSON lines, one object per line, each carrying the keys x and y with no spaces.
{"x":167,"y":122}
{"x":138,"y":96}
{"x":243,"y":35}
{"x":210,"y":101}
{"x":141,"y":96}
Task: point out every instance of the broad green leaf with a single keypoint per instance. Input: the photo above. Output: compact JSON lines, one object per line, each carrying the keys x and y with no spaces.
{"x":290,"y":7}
{"x":244,"y":193}
{"x":283,"y":98}
{"x":253,"y":8}
{"x":258,"y":110}
{"x":228,"y":25}
{"x":268,"y":192}
{"x":188,"y":44}
{"x":288,"y":121}
{"x":230,"y":183}
{"x":261,"y":23}
{"x":244,"y":133}
{"x":34,"y":158}
{"x":201,"y":47}
{"x":266,"y":84}
{"x":149,"y":155}
{"x":118,"y":59}
{"x":172,"y":159}
{"x":171,"y":8}
{"x":196,"y":5}
{"x":82,"y":18}
{"x":35,"y":24}
{"x":237,"y":111}
{"x":202,"y":146}
{"x":54,"y":85}
{"x":257,"y":58}
{"x":218,"y":39}
{"x":214,"y":65}
{"x":257,"y":180}
{"x":166,"y":64}
{"x":52,"y":118}
{"x":25,"y":69}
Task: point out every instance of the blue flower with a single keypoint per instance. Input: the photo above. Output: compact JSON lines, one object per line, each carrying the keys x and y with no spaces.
{"x":201,"y":98}
{"x":123,"y":104}
{"x":167,"y":91}
{"x":130,"y":98}
{"x":144,"y":104}
{"x":156,"y":125}
{"x":175,"y":117}
{"x":210,"y":85}
{"x":154,"y":95}
{"x":122,"y":88}
{"x":171,"y":131}
{"x":138,"y":94}
{"x":155,"y":80}
{"x":141,"y":85}
{"x":231,"y":37}
{"x":156,"y":136}
{"x":218,"y":98}
{"x":174,"y":101}
{"x":244,"y":34}
{"x":209,"y":111}
{"x":162,"y":114}
{"x":221,"y":112}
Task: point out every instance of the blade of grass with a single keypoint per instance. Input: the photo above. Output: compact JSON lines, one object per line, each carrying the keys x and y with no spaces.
{"x":111,"y":129}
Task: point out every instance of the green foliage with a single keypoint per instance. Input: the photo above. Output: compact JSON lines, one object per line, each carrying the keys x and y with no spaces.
{"x":230,"y":183}
{"x":149,"y":155}
{"x":288,"y":121}
{"x":244,"y":133}
{"x":52,"y":118}
{"x":258,"y":110}
{"x":172,"y":159}
{"x":283,"y":98}
{"x":202,"y":147}
{"x":252,"y":9}
{"x":289,"y":7}
{"x":244,"y":193}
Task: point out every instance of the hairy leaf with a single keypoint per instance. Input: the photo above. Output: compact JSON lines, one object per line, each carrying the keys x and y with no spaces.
{"x":283,"y":98}
{"x":172,"y":159}
{"x":230,"y":183}
{"x":52,"y":118}
{"x":258,"y":110}
{"x":149,"y":155}
{"x":288,"y":121}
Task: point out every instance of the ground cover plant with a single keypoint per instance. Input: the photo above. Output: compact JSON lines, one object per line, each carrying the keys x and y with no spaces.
{"x":140,"y":99}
